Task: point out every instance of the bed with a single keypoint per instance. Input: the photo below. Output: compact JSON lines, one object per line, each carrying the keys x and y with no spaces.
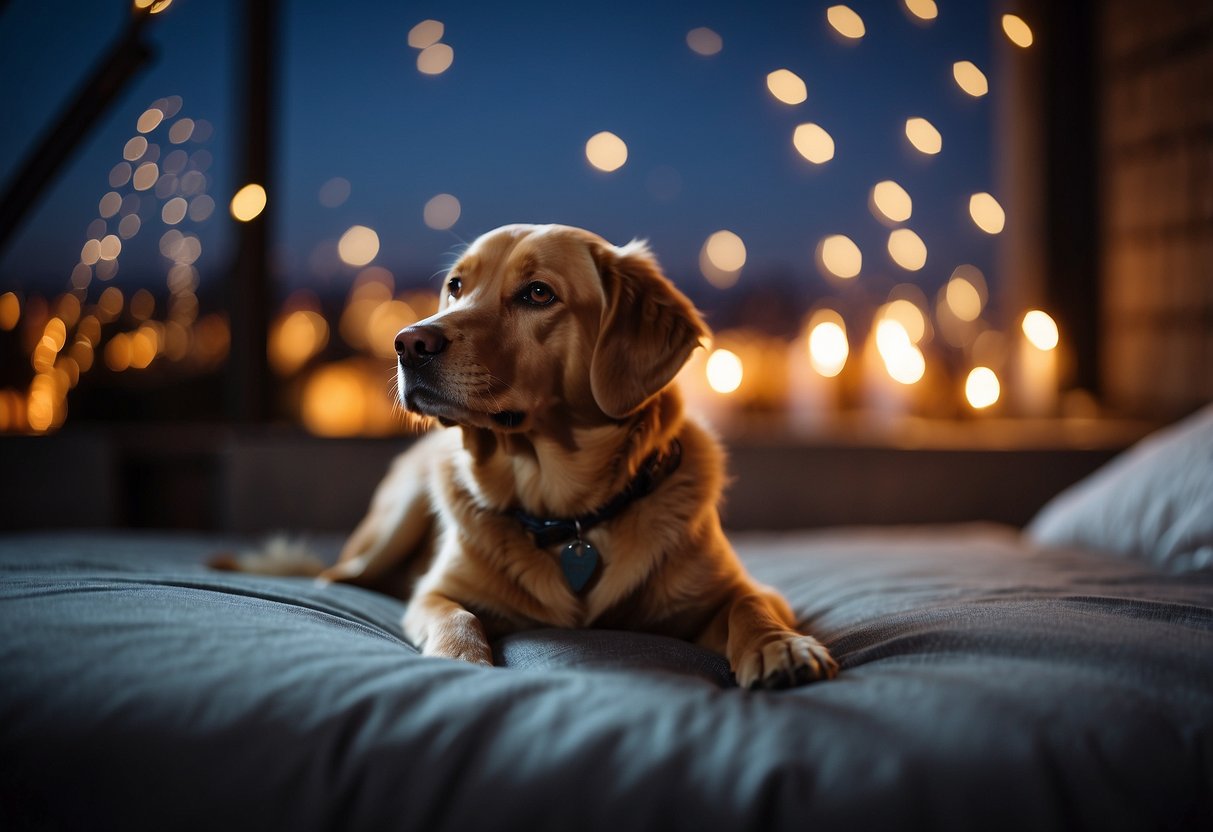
{"x":1059,"y":677}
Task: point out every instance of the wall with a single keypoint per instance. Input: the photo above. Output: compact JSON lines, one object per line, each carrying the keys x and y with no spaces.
{"x":1155,"y":85}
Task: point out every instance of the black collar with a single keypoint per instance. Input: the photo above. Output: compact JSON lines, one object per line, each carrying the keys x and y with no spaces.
{"x":551,"y":531}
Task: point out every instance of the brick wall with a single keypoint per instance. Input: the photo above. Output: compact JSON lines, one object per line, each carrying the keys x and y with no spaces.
{"x":1155,"y":77}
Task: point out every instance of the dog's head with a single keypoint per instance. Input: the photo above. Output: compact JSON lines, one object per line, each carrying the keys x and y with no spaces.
{"x":541,"y":322}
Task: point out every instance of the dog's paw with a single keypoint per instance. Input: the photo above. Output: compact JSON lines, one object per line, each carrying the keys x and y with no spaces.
{"x":461,"y":638}
{"x":784,"y":661}
{"x":463,"y":650}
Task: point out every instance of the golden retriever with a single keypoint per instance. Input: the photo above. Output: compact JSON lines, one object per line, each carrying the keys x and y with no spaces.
{"x":568,"y":489}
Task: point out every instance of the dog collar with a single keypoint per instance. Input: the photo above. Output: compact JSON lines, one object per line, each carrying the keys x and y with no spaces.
{"x":579,"y":559}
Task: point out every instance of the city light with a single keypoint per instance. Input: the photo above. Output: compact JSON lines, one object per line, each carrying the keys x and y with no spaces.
{"x":813,"y":143}
{"x":248,"y":202}
{"x":606,"y":151}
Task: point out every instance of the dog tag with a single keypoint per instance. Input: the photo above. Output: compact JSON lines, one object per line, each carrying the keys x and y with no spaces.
{"x":578,"y":560}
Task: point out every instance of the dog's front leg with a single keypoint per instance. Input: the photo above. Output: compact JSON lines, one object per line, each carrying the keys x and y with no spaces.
{"x":754,"y":631}
{"x":441,"y":627}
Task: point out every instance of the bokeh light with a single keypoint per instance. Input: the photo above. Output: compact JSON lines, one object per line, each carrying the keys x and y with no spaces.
{"x":907,"y":249}
{"x":436,"y":59}
{"x":145,"y":176}
{"x":358,"y":245}
{"x":426,"y":33}
{"x":987,"y":214}
{"x":721,"y":259}
{"x":903,"y":361}
{"x":828,"y":347}
{"x":10,"y":311}
{"x":922,"y":9}
{"x":906,"y":313}
{"x":923,"y":135}
{"x":295,"y":338}
{"x":787,"y":86}
{"x":334,"y":403}
{"x":704,"y":41}
{"x":838,"y":255}
{"x":1040,"y":329}
{"x":846,"y":22}
{"x":889,"y":201}
{"x":813,"y":143}
{"x":334,"y":192}
{"x":982,"y":388}
{"x":248,"y":202}
{"x":970,"y":79}
{"x":724,"y":371}
{"x":1017,"y":30}
{"x":606,"y":151}
{"x":441,"y":212}
{"x":149,"y":120}
{"x":963,"y":299}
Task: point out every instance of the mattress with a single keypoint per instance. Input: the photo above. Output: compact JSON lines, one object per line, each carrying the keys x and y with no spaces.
{"x":986,"y":683}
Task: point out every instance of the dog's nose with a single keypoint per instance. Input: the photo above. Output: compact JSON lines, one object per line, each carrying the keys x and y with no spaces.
{"x":417,"y":345}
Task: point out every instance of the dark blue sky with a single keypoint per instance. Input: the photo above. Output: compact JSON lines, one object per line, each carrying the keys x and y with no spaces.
{"x":504,"y":128}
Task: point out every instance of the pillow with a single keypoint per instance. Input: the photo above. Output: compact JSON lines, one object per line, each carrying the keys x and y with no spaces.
{"x":1153,"y":502}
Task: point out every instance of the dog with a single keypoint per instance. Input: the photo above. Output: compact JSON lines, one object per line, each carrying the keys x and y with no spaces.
{"x":565,"y":486}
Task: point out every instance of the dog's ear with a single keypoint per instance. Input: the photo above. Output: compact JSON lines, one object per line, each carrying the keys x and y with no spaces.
{"x":648,"y":330}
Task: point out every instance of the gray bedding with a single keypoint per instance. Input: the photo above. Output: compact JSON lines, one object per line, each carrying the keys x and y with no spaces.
{"x":985,"y":684}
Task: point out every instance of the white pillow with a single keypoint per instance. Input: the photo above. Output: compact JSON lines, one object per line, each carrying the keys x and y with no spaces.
{"x":1155,"y":501}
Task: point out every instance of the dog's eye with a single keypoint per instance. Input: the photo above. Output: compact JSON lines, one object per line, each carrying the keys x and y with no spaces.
{"x":454,"y":286}
{"x":538,"y":294}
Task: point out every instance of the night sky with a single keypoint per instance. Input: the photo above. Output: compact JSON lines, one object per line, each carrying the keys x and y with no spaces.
{"x":504,"y":130}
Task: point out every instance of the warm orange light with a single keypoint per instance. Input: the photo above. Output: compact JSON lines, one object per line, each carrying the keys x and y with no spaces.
{"x":334,"y":402}
{"x":149,"y":120}
{"x":134,"y":149}
{"x":787,"y":86}
{"x":889,"y":201}
{"x":813,"y":143}
{"x":982,"y":388}
{"x":846,"y":22}
{"x":248,"y":202}
{"x":1017,"y":31}
{"x":606,"y":151}
{"x":923,"y":135}
{"x":828,"y":347}
{"x":358,"y":245}
{"x":1041,"y":330}
{"x":426,"y":33}
{"x":903,"y":361}
{"x":963,"y":299}
{"x":907,"y":249}
{"x":970,"y":79}
{"x":295,"y":338}
{"x":907,"y":314}
{"x":704,"y":41}
{"x":436,"y":59}
{"x":839,"y":256}
{"x":987,"y":214}
{"x":10,"y":311}
{"x":922,"y":9}
{"x":721,"y":259}
{"x":109,"y":247}
{"x":724,"y":371}
{"x":174,"y":210}
{"x":145,"y":176}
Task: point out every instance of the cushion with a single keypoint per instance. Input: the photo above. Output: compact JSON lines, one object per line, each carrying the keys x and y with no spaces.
{"x":1153,"y":502}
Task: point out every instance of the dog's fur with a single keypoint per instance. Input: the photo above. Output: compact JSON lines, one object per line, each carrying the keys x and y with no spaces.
{"x":552,"y":408}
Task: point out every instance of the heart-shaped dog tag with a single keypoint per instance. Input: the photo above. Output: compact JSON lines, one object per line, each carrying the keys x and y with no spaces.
{"x":578,"y":560}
